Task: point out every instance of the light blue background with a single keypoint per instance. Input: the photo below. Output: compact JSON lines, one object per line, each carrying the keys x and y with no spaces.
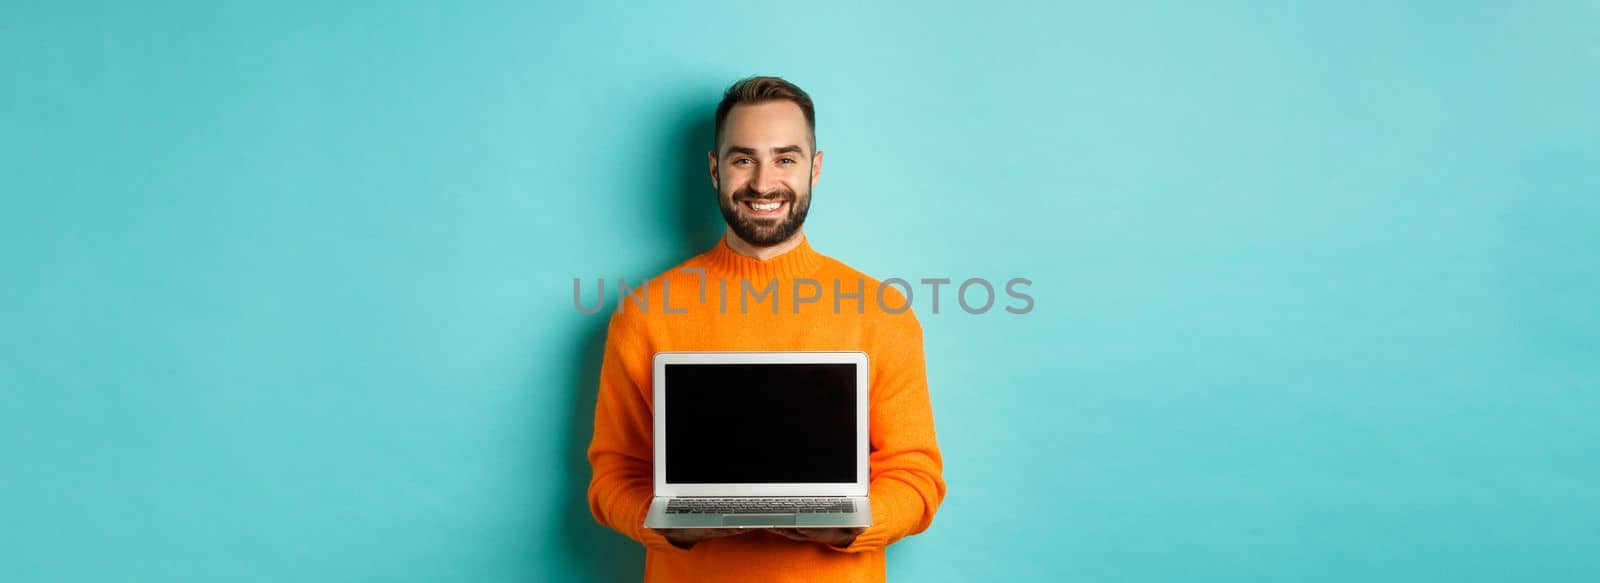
{"x":287,"y":288}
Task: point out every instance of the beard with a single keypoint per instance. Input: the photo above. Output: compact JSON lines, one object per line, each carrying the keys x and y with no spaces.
{"x":769,"y":231}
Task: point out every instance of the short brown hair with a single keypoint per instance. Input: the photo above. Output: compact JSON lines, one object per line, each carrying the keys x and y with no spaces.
{"x":754,"y":90}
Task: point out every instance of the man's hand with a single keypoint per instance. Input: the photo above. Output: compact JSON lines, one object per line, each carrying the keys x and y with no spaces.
{"x":685,"y":538}
{"x":835,"y":537}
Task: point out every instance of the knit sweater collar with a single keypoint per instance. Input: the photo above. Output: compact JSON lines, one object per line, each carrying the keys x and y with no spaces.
{"x":798,"y":262}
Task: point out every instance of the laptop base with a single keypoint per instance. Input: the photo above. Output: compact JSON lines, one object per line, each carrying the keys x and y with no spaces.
{"x":660,"y":518}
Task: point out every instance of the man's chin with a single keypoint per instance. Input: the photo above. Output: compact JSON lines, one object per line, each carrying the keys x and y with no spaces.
{"x":761,"y":236}
{"x":762,"y":231}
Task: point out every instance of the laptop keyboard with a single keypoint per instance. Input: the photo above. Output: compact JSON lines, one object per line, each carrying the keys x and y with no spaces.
{"x":759,"y":505}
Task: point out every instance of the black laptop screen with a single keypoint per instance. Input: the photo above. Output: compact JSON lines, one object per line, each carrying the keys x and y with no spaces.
{"x":760,"y":423}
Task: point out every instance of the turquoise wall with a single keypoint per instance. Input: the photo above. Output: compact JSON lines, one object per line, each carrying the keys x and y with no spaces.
{"x":287,"y":288}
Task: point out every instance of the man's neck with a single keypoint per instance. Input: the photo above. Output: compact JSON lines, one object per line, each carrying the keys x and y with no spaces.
{"x":763,"y":253}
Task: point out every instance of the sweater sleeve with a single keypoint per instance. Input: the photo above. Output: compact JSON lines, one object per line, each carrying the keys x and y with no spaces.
{"x":622,"y":484}
{"x":907,"y":471}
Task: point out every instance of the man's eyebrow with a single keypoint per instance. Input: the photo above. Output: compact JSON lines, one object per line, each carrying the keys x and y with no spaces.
{"x":752,"y":151}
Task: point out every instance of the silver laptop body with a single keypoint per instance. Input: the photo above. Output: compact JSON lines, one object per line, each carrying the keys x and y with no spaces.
{"x":760,"y":440}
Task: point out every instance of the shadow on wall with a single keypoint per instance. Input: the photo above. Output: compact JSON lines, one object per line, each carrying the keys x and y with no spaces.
{"x":690,"y":206}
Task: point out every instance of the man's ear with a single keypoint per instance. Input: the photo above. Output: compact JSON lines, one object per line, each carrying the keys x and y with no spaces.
{"x":816,"y":169}
{"x":711,"y":158}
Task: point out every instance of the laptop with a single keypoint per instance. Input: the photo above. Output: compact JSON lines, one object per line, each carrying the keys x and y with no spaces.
{"x":760,"y":440}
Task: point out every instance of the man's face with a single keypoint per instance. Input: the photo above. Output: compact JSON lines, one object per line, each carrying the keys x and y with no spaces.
{"x":765,"y":171}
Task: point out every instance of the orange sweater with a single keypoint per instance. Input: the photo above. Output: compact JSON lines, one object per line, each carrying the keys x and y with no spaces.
{"x":906,"y":468}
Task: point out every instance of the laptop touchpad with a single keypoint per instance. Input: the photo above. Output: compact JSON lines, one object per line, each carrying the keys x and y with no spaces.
{"x":758,"y":520}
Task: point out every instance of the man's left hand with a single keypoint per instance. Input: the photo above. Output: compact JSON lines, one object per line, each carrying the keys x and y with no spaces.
{"x":835,"y":537}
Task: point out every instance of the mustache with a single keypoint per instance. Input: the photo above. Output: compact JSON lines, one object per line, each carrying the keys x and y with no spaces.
{"x":747,"y":193}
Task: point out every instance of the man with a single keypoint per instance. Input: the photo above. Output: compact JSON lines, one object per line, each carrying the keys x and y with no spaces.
{"x":763,"y":166}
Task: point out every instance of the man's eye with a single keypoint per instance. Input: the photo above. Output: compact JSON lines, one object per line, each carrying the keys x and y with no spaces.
{"x":741,"y":160}
{"x":789,"y":160}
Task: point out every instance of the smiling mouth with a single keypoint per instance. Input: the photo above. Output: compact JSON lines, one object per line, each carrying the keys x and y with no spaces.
{"x":764,"y":208}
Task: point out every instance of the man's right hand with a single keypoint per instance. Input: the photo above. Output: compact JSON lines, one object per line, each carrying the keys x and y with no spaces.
{"x":685,"y":538}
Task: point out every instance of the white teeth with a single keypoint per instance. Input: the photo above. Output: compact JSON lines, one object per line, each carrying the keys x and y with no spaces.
{"x":769,"y":206}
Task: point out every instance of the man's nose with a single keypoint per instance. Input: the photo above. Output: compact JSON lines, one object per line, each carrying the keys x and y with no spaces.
{"x":766,"y":181}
